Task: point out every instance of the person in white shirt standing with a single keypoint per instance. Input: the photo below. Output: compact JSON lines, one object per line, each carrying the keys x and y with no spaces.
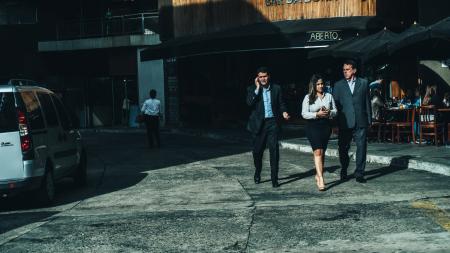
{"x":318,"y":108}
{"x":152,"y":110}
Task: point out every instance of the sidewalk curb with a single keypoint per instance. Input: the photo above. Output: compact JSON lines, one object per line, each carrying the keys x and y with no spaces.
{"x":213,"y":136}
{"x":404,"y":162}
{"x":112,"y":130}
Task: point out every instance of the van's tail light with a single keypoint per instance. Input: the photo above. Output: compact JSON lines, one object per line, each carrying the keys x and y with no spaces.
{"x":25,"y":143}
{"x":25,"y":139}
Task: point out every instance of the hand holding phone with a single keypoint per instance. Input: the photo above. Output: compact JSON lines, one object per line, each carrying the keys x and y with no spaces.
{"x":323,"y":112}
{"x":257,"y":83}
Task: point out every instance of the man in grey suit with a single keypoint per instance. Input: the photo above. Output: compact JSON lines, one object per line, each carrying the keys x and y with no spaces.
{"x":351,"y":95}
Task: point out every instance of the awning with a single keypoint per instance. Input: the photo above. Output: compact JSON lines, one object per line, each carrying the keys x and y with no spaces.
{"x":367,"y":48}
{"x":433,"y":40}
{"x":360,"y":48}
{"x":413,"y":30}
{"x":264,"y":36}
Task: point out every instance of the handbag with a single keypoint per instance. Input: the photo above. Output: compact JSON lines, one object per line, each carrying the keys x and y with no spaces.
{"x":140,"y":118}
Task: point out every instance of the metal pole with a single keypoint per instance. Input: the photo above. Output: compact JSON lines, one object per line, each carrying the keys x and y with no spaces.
{"x":123,"y":25}
{"x":113,"y":103}
{"x":87,"y":116}
{"x":36,"y":15}
{"x":142,"y":23}
{"x":81,"y":29}
{"x":127,"y":103}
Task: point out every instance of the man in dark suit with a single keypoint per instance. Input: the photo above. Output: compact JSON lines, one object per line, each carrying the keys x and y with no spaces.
{"x":351,"y":95}
{"x":268,"y":110}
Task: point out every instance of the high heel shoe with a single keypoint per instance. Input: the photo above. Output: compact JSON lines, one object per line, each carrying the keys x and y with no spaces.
{"x":320,"y":183}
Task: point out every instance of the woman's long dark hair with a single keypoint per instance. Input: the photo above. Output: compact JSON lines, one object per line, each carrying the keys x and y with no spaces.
{"x":313,"y":88}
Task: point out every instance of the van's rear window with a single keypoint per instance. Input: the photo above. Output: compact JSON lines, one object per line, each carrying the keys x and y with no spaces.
{"x":8,"y":114}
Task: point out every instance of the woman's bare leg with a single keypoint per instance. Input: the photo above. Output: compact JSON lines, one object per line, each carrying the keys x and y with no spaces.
{"x":318,"y":162}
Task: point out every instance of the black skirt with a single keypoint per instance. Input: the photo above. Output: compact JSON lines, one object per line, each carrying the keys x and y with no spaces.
{"x":318,"y":132}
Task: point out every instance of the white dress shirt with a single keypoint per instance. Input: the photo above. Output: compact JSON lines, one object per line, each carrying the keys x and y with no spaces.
{"x":309,"y":110}
{"x":151,"y":107}
{"x":351,"y":84}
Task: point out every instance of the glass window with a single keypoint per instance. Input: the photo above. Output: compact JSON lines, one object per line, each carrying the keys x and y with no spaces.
{"x":49,"y":109}
{"x":62,"y":113}
{"x":34,"y":113}
{"x":8,"y":115}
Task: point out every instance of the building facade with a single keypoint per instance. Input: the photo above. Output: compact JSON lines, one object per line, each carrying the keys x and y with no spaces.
{"x":86,"y":51}
{"x":200,"y":55}
{"x":212,"y":49}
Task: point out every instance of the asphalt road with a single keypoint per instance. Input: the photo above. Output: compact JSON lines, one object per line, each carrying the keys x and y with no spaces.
{"x":198,"y":195}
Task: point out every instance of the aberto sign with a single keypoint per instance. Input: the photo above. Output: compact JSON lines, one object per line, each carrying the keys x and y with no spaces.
{"x":321,"y":36}
{"x":282,"y":2}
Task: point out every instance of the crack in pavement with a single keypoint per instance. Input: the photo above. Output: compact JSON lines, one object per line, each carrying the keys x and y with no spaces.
{"x":250,"y":229}
{"x":253,"y":211}
{"x":252,"y":220}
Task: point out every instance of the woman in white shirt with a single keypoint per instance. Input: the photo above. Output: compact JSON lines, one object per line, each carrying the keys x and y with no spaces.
{"x":318,"y":108}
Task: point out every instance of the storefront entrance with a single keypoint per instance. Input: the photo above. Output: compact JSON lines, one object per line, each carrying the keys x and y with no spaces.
{"x":99,"y":101}
{"x":213,"y":88}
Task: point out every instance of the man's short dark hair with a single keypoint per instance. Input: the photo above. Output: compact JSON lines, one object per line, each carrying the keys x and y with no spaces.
{"x":350,"y":62}
{"x":262,"y":69}
{"x":152,"y":93}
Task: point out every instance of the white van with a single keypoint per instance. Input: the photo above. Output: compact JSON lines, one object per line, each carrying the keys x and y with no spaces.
{"x":38,"y":142}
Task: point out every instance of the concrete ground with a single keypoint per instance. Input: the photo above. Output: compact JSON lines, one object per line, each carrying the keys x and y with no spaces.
{"x":197,"y":195}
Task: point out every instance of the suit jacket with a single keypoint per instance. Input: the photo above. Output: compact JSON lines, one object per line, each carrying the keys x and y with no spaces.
{"x":256,"y":104}
{"x":354,"y":109}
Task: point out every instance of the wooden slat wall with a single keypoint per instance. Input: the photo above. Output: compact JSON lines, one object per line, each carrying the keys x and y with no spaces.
{"x":203,"y":16}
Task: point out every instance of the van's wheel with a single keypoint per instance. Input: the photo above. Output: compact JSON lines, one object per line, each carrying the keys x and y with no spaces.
{"x":46,"y":193}
{"x":80,"y":176}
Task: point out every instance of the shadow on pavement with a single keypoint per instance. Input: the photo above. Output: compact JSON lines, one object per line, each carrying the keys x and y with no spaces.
{"x":376,"y":173}
{"x":298,"y":176}
{"x":397,"y":164}
{"x":116,"y":162}
{"x":25,"y":218}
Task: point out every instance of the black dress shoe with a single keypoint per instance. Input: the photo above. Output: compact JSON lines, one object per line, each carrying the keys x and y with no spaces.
{"x":361,"y":180}
{"x":257,"y":179}
{"x":275,"y":184}
{"x":344,"y":177}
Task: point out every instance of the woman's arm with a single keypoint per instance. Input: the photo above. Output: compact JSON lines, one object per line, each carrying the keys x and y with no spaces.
{"x":377,"y":101}
{"x":306,"y":114}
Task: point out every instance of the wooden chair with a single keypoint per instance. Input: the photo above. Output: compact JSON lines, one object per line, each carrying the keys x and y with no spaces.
{"x":390,"y":124}
{"x":376,"y":129}
{"x":404,"y":125}
{"x":429,"y":126}
{"x":445,"y":116}
{"x":448,"y":133}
